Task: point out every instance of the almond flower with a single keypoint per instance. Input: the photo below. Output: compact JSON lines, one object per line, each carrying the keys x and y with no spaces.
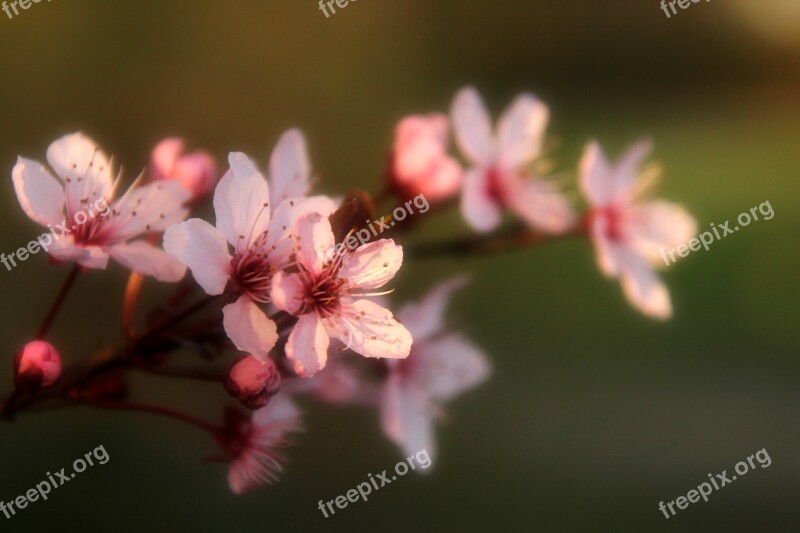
{"x":261,"y":241}
{"x":440,"y":367}
{"x":419,"y":161}
{"x":85,"y":180}
{"x":251,"y":443}
{"x":327,"y":296}
{"x":196,"y":171}
{"x":499,"y":178}
{"x":628,"y":231}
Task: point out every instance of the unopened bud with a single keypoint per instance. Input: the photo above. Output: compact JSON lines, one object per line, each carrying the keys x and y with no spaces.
{"x":37,"y":365}
{"x":196,"y":171}
{"x":253,"y":382}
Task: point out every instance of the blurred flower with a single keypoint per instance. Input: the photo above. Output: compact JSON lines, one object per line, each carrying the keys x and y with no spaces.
{"x":419,"y":162}
{"x":196,"y":172}
{"x":627,"y":231}
{"x":323,"y":295}
{"x":253,"y":382}
{"x":37,"y":365}
{"x":87,"y":181}
{"x":342,"y":382}
{"x":499,"y":178}
{"x":262,"y":246}
{"x":440,"y":367}
{"x":251,"y":443}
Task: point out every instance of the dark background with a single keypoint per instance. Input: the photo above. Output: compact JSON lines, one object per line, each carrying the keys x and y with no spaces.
{"x":594,"y":414}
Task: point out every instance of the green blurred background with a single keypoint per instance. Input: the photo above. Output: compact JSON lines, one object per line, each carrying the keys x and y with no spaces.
{"x":594,"y":414}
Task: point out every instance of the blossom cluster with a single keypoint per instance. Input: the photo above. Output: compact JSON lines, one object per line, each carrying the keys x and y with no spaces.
{"x":304,"y":321}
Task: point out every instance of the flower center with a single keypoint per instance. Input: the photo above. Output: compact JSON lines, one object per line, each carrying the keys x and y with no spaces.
{"x":612,"y":219}
{"x":494,"y":185}
{"x":323,"y":293}
{"x":252,"y":273}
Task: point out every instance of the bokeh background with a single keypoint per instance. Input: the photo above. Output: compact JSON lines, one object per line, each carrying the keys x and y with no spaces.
{"x":594,"y":414}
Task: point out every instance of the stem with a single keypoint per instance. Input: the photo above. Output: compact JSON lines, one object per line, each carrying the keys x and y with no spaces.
{"x":132,"y":292}
{"x":156,"y":410}
{"x":60,"y":297}
{"x":175,"y":320}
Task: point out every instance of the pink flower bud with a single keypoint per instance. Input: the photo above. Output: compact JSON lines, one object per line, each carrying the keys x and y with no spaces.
{"x":253,"y":382}
{"x":419,"y":162}
{"x":37,"y":365}
{"x":197,"y":171}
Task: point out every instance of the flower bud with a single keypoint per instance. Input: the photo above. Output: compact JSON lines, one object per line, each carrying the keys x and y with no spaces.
{"x":37,"y":365}
{"x":196,"y":172}
{"x":253,"y":382}
{"x":419,"y":163}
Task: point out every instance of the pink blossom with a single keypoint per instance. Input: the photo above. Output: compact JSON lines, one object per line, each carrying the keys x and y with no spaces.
{"x":628,"y":231}
{"x":419,"y":161}
{"x":440,"y":367}
{"x":328,"y":298}
{"x":499,"y":178}
{"x":196,"y":171}
{"x":259,"y":235}
{"x":252,"y":443}
{"x":253,"y":381}
{"x":86,"y":181}
{"x":37,"y":365}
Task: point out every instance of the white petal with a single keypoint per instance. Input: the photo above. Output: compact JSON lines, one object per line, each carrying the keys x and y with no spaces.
{"x":77,"y":156}
{"x":203,"y":248}
{"x":426,"y":317}
{"x":146,"y":259}
{"x":241,"y":202}
{"x":287,"y":292}
{"x":658,"y":225}
{"x":313,"y":240}
{"x":473,"y":128}
{"x":643,"y":289}
{"x":289,"y":167}
{"x":448,"y":366}
{"x":371,"y":330}
{"x":605,"y":249}
{"x":406,"y":417}
{"x":307,"y":346}
{"x":249,"y":328}
{"x":279,"y":243}
{"x":149,"y":208}
{"x":40,"y":194}
{"x":541,"y":205}
{"x":65,"y":249}
{"x":371,"y":266}
{"x":626,"y":171}
{"x":520,"y":132}
{"x":478,"y":208}
{"x":596,"y":178}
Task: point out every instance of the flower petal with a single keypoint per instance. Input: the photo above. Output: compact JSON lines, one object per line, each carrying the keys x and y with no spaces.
{"x":203,"y":248}
{"x":149,"y":208}
{"x":658,"y":225}
{"x":65,"y":249}
{"x":284,"y":221}
{"x":249,"y":328}
{"x":241,"y":202}
{"x":289,"y":167}
{"x":146,"y":259}
{"x":307,"y":346}
{"x":426,"y":317}
{"x":596,"y":178}
{"x":278,"y":417}
{"x":313,"y":239}
{"x":287,"y":292}
{"x":78,"y":158}
{"x":520,"y":132}
{"x":478,"y":208}
{"x":40,"y":194}
{"x":448,"y":366}
{"x":371,"y":330}
{"x":540,"y":204}
{"x":371,"y":266}
{"x":406,"y":417}
{"x":473,"y":128}
{"x":643,"y":289}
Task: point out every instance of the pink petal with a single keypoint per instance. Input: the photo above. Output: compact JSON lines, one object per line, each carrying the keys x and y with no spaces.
{"x":279,"y":417}
{"x":520,"y":132}
{"x":626,"y":171}
{"x":448,"y":366}
{"x":164,"y":157}
{"x":596,"y":178}
{"x":658,"y":225}
{"x":313,"y":240}
{"x":643,"y":289}
{"x":371,"y":266}
{"x":287,"y":292}
{"x":478,"y":208}
{"x":426,"y":317}
{"x":65,"y":249}
{"x":284,"y":221}
{"x":307,"y":346}
{"x":473,"y":127}
{"x":406,"y":417}
{"x":371,"y":330}
{"x":241,"y":202}
{"x":289,"y":167}
{"x":146,"y":259}
{"x":149,"y":208}
{"x":203,"y":248}
{"x":40,"y":194}
{"x":541,"y":205}
{"x":77,"y":156}
{"x":249,"y":328}
{"x":605,"y":249}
